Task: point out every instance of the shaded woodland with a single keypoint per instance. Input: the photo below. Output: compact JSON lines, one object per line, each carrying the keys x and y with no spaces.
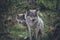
{"x":9,"y":28}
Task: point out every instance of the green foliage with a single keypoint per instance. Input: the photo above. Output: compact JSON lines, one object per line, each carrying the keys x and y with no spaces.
{"x":9,"y":9}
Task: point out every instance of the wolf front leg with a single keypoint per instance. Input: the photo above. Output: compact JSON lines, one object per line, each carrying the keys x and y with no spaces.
{"x":36,"y":34}
{"x":30,"y":35}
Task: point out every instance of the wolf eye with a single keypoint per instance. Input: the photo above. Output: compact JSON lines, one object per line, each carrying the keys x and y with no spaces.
{"x":35,"y":15}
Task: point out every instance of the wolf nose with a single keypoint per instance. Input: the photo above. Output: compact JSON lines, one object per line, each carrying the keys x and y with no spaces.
{"x":33,"y":19}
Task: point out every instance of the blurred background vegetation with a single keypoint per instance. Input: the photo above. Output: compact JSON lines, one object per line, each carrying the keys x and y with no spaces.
{"x":49,"y":11}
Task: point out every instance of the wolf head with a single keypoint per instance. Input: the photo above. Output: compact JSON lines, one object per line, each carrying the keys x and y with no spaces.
{"x":32,"y":14}
{"x":20,"y":18}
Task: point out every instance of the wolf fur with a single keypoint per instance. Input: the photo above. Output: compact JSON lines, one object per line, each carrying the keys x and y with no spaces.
{"x":20,"y":18}
{"x":33,"y":22}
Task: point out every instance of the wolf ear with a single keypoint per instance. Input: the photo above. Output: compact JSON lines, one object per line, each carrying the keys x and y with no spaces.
{"x":28,"y":11}
{"x":36,"y":12}
{"x":23,"y":15}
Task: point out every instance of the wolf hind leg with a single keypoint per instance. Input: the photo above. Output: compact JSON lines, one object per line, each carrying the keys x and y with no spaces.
{"x":40,"y":35}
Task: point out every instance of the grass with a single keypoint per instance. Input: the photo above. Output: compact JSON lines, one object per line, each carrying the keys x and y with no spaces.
{"x":20,"y":31}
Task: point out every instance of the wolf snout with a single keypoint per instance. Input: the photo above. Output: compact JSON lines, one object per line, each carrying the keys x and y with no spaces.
{"x":33,"y":20}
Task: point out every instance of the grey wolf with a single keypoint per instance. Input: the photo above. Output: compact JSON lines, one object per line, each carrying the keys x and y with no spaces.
{"x":20,"y":18}
{"x":33,"y":22}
